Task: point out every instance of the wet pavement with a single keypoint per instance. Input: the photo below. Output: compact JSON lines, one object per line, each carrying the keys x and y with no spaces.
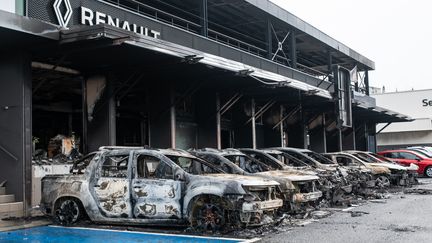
{"x":404,"y":217}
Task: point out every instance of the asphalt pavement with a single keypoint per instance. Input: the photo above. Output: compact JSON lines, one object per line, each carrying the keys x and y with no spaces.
{"x":404,"y":217}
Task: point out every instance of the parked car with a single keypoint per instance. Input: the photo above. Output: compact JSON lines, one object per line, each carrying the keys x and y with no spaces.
{"x":426,"y":151}
{"x":380,"y":174}
{"x":159,"y":187}
{"x":398,"y":174}
{"x":406,"y":157}
{"x":296,"y":189}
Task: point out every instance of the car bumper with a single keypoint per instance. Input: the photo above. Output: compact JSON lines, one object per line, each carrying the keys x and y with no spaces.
{"x":306,"y":197}
{"x":260,"y":206}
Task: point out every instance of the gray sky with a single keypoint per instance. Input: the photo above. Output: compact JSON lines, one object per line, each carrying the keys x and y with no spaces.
{"x":395,"y":34}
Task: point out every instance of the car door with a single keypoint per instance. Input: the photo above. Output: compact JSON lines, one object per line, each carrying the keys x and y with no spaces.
{"x":407,"y":158}
{"x":111,"y":185}
{"x":155,"y":193}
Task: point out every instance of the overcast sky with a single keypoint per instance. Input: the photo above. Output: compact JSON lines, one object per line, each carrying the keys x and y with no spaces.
{"x":395,"y":34}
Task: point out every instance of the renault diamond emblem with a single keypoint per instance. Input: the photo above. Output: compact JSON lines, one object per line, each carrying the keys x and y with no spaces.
{"x":63,"y":18}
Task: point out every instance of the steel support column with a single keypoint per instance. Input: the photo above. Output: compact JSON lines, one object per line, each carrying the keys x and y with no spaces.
{"x":218,"y":122}
{"x":84,"y":135}
{"x":253,"y":124}
{"x":324,"y":133}
{"x":281,"y":126}
{"x":293,"y":49}
{"x":269,"y":38}
{"x":204,"y":17}
{"x":366,"y":82}
{"x":172,"y":117}
{"x":112,"y":118}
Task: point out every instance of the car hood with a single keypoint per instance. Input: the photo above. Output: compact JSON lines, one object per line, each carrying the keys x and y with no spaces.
{"x":290,"y":175}
{"x":378,"y":169}
{"x":244,"y":180}
{"x":390,"y":166}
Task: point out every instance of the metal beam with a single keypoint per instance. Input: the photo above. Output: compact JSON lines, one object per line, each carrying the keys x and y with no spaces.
{"x":263,"y":109}
{"x":204,"y":18}
{"x":388,"y":124}
{"x":324,"y":133}
{"x":253,"y":124}
{"x":232,"y":101}
{"x":269,"y":39}
{"x":218,"y":123}
{"x":172,"y":117}
{"x":366,"y":82}
{"x":293,"y":49}
{"x":289,"y":115}
{"x":281,"y":126}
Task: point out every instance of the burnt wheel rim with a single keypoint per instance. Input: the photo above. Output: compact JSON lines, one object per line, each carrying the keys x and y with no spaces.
{"x":382,"y":181}
{"x":68,"y":212}
{"x":210,"y":217}
{"x":429,"y":172}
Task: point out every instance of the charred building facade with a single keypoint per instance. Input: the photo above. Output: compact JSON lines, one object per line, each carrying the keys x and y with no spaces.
{"x":179,"y":74}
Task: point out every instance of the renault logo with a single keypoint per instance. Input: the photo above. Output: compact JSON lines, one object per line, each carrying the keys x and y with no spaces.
{"x":63,"y":18}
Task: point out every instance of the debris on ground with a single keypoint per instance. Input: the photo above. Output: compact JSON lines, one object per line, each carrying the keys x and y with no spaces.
{"x":358,"y":213}
{"x":421,"y":191}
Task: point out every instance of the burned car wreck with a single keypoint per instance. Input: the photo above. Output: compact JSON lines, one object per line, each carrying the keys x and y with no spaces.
{"x":298,"y":190}
{"x":149,"y":186}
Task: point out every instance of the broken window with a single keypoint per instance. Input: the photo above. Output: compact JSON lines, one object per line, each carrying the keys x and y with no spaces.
{"x":265,"y":160}
{"x":115,"y":166}
{"x":193,"y":166}
{"x":150,"y":167}
{"x":345,"y":161}
{"x":247,"y":164}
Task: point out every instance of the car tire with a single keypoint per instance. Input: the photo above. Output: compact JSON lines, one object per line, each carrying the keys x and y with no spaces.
{"x":68,"y":211}
{"x":428,"y":171}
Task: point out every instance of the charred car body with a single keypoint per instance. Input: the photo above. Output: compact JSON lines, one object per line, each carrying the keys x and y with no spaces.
{"x":146,"y":186}
{"x":399,"y":176}
{"x":380,"y":175}
{"x":333,"y":182}
{"x":296,"y":189}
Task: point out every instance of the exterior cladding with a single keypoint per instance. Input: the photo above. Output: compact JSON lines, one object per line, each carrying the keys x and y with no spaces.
{"x":43,"y":10}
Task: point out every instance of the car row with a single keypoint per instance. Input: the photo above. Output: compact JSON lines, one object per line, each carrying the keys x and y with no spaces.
{"x":419,"y":156}
{"x":210,"y":189}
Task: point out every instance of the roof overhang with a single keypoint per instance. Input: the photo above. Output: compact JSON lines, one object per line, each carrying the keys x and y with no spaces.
{"x":20,"y":31}
{"x":120,"y":36}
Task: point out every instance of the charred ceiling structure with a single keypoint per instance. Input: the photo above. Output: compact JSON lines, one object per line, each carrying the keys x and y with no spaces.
{"x":182,"y":74}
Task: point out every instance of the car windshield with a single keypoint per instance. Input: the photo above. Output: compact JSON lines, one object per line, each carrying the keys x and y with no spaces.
{"x":303,"y":158}
{"x":288,"y":160}
{"x":264,"y":159}
{"x":247,"y":163}
{"x":366,"y":158}
{"x":194,"y":166}
{"x":318,"y":157}
{"x":382,"y":158}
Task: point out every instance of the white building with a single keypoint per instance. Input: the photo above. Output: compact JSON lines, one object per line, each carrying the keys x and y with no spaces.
{"x":418,"y":105}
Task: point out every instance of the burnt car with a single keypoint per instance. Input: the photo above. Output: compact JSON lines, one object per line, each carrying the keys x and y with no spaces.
{"x":296,"y":189}
{"x":400,"y":175}
{"x":149,"y":186}
{"x":334,"y":182}
{"x":380,"y":174}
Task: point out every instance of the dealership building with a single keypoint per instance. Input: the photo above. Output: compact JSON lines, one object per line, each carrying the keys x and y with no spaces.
{"x":417,"y":104}
{"x":180,"y":74}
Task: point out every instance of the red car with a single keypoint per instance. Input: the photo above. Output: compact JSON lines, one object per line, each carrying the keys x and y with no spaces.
{"x":407,"y":157}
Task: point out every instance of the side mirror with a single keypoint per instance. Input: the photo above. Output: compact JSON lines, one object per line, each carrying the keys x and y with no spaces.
{"x":180,"y":177}
{"x":418,"y":159}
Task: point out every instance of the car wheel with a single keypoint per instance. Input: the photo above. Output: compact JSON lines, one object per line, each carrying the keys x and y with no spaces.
{"x":382,"y":181}
{"x":428,"y":171}
{"x":208,"y":215}
{"x":67,"y":211}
